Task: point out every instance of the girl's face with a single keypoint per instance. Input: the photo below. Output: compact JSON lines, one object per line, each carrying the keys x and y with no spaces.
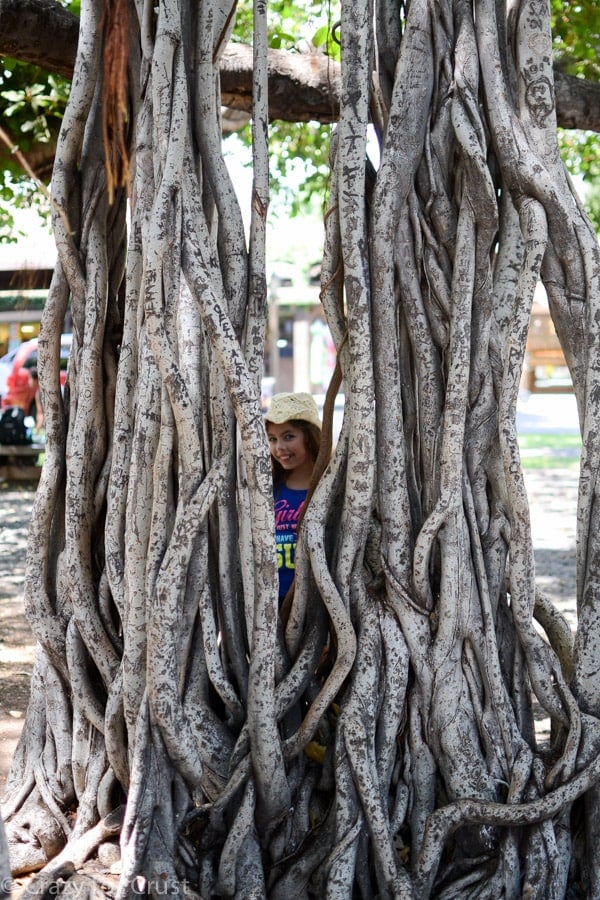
{"x":287,"y":444}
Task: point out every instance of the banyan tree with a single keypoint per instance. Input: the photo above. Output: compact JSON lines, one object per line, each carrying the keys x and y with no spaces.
{"x":377,"y":737}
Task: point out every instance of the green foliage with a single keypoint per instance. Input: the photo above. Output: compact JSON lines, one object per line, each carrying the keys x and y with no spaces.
{"x":581,"y":153}
{"x":33,"y":103}
{"x":592,"y":205}
{"x":18,"y":193}
{"x":299,"y":164}
{"x":299,"y":152}
{"x":326,"y":38}
{"x":294,"y":26}
{"x":576,"y":38}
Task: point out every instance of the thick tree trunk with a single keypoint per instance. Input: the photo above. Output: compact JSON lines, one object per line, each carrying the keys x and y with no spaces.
{"x":377,"y":738}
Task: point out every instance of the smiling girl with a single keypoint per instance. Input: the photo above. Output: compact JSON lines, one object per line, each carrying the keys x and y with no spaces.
{"x":294,"y":434}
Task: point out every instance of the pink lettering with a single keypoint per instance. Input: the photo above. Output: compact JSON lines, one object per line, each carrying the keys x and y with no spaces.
{"x":285,"y":514}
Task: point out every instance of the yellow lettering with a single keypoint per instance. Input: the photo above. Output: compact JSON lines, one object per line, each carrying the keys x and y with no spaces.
{"x":288,"y":556}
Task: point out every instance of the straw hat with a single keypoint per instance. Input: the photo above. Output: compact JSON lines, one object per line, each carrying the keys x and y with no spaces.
{"x":286,"y":406}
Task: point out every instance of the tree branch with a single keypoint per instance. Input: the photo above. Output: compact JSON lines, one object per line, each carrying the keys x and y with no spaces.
{"x":302,"y":86}
{"x":577,"y":102}
{"x":41,"y":32}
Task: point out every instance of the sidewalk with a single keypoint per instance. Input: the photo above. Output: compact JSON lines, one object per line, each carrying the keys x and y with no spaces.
{"x":547,"y":413}
{"x":536,"y":413}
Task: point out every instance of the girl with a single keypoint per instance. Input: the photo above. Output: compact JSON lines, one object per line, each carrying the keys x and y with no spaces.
{"x":294,"y":434}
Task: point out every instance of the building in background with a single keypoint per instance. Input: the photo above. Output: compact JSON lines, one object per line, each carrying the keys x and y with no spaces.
{"x":26,"y":268}
{"x":300,"y":354}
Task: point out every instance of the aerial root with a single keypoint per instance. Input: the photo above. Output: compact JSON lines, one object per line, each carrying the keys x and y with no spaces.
{"x":34,"y":836}
{"x":557,"y":631}
{"x":444,"y":821}
{"x":43,"y":853}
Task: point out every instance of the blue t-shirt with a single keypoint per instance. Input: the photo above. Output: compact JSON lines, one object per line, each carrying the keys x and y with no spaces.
{"x":288,"y":506}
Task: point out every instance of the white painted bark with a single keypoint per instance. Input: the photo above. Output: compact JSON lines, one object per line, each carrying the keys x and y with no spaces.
{"x":379,"y":740}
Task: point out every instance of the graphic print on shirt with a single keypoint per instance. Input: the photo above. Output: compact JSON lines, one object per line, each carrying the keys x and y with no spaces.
{"x":288,"y":506}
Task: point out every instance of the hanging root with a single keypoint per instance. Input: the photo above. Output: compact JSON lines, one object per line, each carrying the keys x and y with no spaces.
{"x":376,"y":735}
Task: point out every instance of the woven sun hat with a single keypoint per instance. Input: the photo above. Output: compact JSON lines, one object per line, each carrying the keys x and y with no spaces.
{"x":286,"y":406}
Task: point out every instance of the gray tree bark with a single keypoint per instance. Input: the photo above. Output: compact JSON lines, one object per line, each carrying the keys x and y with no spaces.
{"x":378,"y":737}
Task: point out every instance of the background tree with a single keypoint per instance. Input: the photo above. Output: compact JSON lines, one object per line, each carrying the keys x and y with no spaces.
{"x":381,"y":739}
{"x":304,"y":87}
{"x":575,"y":33}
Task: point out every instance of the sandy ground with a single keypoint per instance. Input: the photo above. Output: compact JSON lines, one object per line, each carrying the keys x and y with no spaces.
{"x":16,"y":640}
{"x":553,"y":502}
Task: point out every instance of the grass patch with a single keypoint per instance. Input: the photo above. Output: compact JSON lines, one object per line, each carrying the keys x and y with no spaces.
{"x":550,"y":451}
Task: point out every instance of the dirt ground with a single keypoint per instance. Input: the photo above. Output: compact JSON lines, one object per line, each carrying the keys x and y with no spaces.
{"x":553,"y":502}
{"x":16,"y":641}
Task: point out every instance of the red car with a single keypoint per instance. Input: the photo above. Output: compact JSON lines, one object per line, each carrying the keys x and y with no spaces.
{"x":20,"y":386}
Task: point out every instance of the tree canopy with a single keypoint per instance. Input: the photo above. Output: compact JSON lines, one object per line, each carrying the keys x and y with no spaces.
{"x":38,"y":42}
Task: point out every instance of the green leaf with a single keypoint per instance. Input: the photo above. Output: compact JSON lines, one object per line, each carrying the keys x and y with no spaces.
{"x":12,"y":96}
{"x":321,"y":36}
